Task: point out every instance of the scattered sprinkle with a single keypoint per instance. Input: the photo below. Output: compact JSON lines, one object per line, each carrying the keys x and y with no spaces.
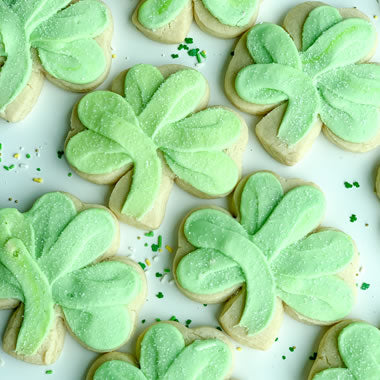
{"x":113,"y":56}
{"x":159,"y":242}
{"x":375,"y":17}
{"x":143,"y":321}
{"x":353,"y":218}
{"x":314,"y":356}
{"x":291,"y":349}
{"x":365,"y":286}
{"x":146,"y":244}
{"x":38,"y":180}
{"x":159,"y":295}
{"x":159,"y":249}
{"x":158,"y":320}
{"x":16,"y":155}
{"x":347,"y":185}
{"x":49,"y":372}
{"x":193,"y":52}
{"x":169,"y":248}
{"x":356,"y":184}
{"x":283,"y":357}
{"x":158,"y":274}
{"x":138,"y":237}
{"x":142,"y":265}
{"x":189,"y":40}
{"x":276,"y":340}
{"x":175,"y":56}
{"x":188,"y":322}
{"x":149,"y":234}
{"x":38,"y":169}
{"x":60,"y":153}
{"x":69,"y":174}
{"x":203,"y":54}
{"x":173,"y":318}
{"x":239,"y":349}
{"x":167,"y":270}
{"x":147,"y":261}
{"x":205,"y":304}
{"x":219,"y":328}
{"x":27,"y":155}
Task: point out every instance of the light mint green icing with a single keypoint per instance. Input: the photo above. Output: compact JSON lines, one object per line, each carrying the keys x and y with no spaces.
{"x":325,"y":78}
{"x":232,"y":12}
{"x":63,"y":38}
{"x":153,"y":117}
{"x":359,"y":348}
{"x":46,"y":257}
{"x":165,"y":356}
{"x":271,"y":252}
{"x":155,"y":14}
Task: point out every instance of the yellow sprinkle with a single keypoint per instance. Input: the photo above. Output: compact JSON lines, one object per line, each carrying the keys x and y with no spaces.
{"x":147,"y":261}
{"x":169,"y":248}
{"x":239,"y":348}
{"x":376,"y":17}
{"x":16,"y":155}
{"x":159,"y":249}
{"x":113,"y":56}
{"x":38,"y":180}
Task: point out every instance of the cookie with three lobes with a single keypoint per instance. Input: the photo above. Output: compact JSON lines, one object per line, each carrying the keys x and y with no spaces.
{"x":169,"y":21}
{"x":311,"y":74}
{"x":150,"y":131}
{"x":273,"y":256}
{"x":68,"y":42}
{"x":170,"y":351}
{"x":57,"y":268}
{"x":348,"y":351}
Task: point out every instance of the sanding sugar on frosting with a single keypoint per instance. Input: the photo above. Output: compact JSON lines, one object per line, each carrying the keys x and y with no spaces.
{"x":326,"y":79}
{"x":272,"y":251}
{"x":152,"y":120}
{"x":165,"y":355}
{"x":63,"y":36}
{"x":359,"y":348}
{"x":46,"y":260}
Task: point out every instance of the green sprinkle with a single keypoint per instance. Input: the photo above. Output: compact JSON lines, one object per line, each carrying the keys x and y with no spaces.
{"x":291,"y":349}
{"x":193,"y":52}
{"x":356,"y":184}
{"x":27,"y":155}
{"x":347,"y":185}
{"x":159,"y":242}
{"x":199,"y":59}
{"x":283,"y":357}
{"x":186,"y":47}
{"x":146,"y":244}
{"x":11,"y":167}
{"x":6,"y":167}
{"x":69,"y":174}
{"x":158,"y":274}
{"x":149,"y":234}
{"x":167,"y":270}
{"x":180,"y":47}
{"x":276,"y":340}
{"x":189,"y":40}
{"x":154,"y":247}
{"x":175,"y":56}
{"x":49,"y":372}
{"x":143,"y":321}
{"x":159,"y":295}
{"x":173,"y":318}
{"x":203,"y":54}
{"x":365,"y":286}
{"x":188,"y":322}
{"x":353,"y":218}
{"x":1,"y":146}
{"x":205,"y":304}
{"x":219,"y":328}
{"x":158,"y":320}
{"x":60,"y":153}
{"x":314,"y":356}
{"x":38,"y":169}
{"x":142,"y":265}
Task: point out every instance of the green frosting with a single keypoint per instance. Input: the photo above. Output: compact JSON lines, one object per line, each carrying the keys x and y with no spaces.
{"x":325,"y":78}
{"x":62,"y":36}
{"x":164,"y":356}
{"x":153,"y":117}
{"x":155,"y":14}
{"x":359,"y":348}
{"x":271,"y":252}
{"x":45,"y":257}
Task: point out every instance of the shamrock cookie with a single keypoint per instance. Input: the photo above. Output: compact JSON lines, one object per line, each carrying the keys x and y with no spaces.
{"x":151,"y":131}
{"x":273,"y":256}
{"x":168,"y":350}
{"x":349,"y":350}
{"x":169,"y":21}
{"x":56,"y":267}
{"x":310,"y":74}
{"x":66,"y":41}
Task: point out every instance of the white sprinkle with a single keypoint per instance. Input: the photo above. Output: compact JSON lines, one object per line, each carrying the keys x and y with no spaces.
{"x":2,"y":362}
{"x":23,"y":166}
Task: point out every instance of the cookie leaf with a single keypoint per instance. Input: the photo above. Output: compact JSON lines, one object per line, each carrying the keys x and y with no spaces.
{"x":92,"y":153}
{"x":141,"y":82}
{"x":193,"y":133}
{"x":88,"y":326}
{"x":118,"y":370}
{"x":208,"y":271}
{"x":49,"y":215}
{"x":87,"y":237}
{"x":82,"y":20}
{"x":108,"y":283}
{"x":9,"y":286}
{"x":160,"y":346}
{"x":269,"y":43}
{"x":205,"y":353}
{"x":261,"y":194}
{"x":339,"y":46}
{"x":359,"y":347}
{"x":326,"y":298}
{"x":320,"y":254}
{"x":318,"y":21}
{"x":334,"y":374}
{"x":213,"y":173}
